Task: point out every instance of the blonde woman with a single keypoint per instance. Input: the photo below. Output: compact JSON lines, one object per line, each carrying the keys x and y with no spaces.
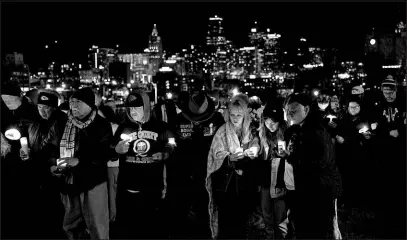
{"x":5,"y":146}
{"x":228,"y":173}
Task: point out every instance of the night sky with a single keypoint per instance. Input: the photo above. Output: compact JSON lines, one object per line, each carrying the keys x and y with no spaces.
{"x":28,"y":27}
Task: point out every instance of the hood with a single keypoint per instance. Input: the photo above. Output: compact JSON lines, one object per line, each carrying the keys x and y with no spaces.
{"x":146,"y":105}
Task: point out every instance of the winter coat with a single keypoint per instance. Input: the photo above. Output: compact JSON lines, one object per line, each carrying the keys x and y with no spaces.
{"x":92,"y":148}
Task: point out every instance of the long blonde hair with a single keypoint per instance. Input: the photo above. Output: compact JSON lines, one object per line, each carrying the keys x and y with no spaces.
{"x":5,"y":146}
{"x":240,"y":101}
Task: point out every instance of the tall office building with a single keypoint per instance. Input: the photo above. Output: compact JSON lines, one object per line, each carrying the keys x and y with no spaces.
{"x":216,"y":47}
{"x":155,"y":50}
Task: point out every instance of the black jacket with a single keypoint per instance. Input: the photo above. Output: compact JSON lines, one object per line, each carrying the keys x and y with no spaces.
{"x":92,"y":148}
{"x":38,"y":134}
{"x":313,"y":160}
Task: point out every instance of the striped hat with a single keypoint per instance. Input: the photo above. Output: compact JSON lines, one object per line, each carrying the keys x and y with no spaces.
{"x":389,"y":82}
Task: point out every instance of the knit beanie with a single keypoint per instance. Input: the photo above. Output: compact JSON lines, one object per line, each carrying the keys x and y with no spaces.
{"x":85,"y":95}
{"x":389,"y":82}
{"x":11,"y":89}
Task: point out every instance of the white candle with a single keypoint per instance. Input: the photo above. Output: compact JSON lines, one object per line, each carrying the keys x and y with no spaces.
{"x":24,"y":145}
{"x":281,"y":145}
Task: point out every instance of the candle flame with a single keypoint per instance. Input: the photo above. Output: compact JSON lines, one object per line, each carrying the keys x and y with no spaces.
{"x":125,"y":136}
{"x":363,"y":129}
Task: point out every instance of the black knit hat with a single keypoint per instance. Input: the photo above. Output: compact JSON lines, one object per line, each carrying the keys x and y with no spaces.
{"x":12,"y":89}
{"x":85,"y":95}
{"x":389,"y":82}
{"x":48,"y":98}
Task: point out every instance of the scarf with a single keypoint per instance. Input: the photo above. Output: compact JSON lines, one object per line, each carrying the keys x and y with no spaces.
{"x":67,"y":146}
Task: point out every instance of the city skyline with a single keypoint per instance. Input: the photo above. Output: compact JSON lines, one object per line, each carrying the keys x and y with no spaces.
{"x":76,"y":27}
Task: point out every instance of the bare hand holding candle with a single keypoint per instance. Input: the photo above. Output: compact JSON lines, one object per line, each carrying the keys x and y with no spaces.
{"x":123,"y":146}
{"x":237,"y":155}
{"x":24,"y":152}
{"x":252,"y":152}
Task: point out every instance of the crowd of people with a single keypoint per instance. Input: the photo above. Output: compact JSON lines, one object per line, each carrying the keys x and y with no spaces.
{"x":200,"y":167}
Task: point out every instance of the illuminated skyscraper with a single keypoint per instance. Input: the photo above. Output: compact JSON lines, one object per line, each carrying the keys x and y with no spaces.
{"x":216,"y":45}
{"x":155,"y":50}
{"x":100,"y":58}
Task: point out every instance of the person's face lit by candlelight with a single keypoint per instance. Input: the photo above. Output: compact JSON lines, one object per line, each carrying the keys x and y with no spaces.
{"x":353,"y":108}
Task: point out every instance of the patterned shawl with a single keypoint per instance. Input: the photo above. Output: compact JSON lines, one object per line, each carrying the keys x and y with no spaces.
{"x":225,"y":142}
{"x":67,"y":146}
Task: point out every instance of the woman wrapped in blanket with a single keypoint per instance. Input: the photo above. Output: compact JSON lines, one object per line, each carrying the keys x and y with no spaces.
{"x":230,"y":172}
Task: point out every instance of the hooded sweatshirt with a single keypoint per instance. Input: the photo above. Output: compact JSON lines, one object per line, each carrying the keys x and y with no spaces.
{"x":138,"y":170}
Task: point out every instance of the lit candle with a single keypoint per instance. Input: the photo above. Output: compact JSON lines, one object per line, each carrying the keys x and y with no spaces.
{"x":364,"y":129}
{"x":330,"y":117}
{"x":281,"y":145}
{"x":24,"y":146}
{"x":171,"y":141}
{"x":12,"y":134}
{"x":125,"y":136}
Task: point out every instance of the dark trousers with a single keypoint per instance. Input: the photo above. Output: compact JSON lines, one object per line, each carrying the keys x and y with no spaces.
{"x":189,"y":212}
{"x":274,"y":213}
{"x":233,"y":213}
{"x":138,"y":216}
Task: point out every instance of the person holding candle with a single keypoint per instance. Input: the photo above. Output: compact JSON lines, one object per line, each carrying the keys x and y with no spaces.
{"x":316,"y":177}
{"x":80,"y":155}
{"x":148,"y":144}
{"x":277,"y":179}
{"x":17,"y":114}
{"x":353,"y":160}
{"x":36,"y":154}
{"x":228,"y":180}
{"x":390,"y":149}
